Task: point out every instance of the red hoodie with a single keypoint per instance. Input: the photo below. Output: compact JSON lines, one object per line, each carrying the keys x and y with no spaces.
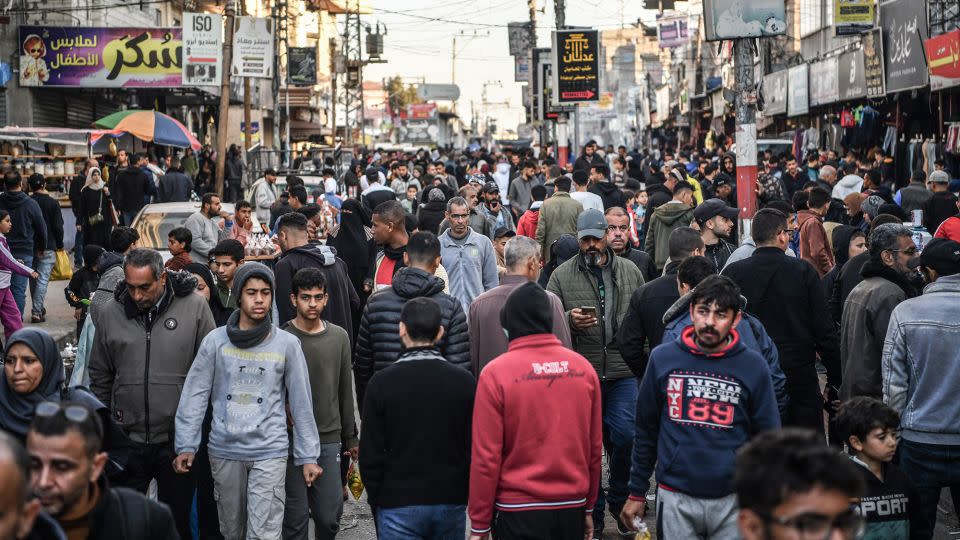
{"x":537,"y":432}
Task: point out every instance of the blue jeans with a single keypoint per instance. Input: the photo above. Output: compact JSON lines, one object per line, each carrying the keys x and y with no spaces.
{"x":38,"y":287}
{"x":18,"y":283}
{"x":425,"y":522}
{"x":619,"y":409}
{"x":931,"y":467}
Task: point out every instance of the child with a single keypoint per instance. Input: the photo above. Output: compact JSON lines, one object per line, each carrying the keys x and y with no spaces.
{"x":410,"y":203}
{"x":178,"y":241}
{"x":83,"y":284}
{"x":890,"y":505}
{"x":10,"y":315}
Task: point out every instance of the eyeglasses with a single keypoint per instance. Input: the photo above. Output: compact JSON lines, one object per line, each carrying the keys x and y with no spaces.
{"x":909,"y":251}
{"x":35,"y":50}
{"x":459,"y":217}
{"x":812,"y":526}
{"x":74,"y":413}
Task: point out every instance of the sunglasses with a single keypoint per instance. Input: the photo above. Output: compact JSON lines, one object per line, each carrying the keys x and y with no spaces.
{"x":36,"y":50}
{"x":74,"y":413}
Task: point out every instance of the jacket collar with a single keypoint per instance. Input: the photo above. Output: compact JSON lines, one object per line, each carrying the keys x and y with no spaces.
{"x":512,"y":280}
{"x":875,"y":268}
{"x":533,"y":341}
{"x":420,"y":353}
{"x":130,"y":308}
{"x":559,"y":193}
{"x":946,"y":284}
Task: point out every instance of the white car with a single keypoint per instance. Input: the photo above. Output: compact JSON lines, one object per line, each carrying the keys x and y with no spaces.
{"x":155,"y":221}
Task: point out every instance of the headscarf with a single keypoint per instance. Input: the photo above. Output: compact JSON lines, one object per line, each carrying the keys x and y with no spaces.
{"x":17,"y":410}
{"x":91,"y":183}
{"x":351,"y":241}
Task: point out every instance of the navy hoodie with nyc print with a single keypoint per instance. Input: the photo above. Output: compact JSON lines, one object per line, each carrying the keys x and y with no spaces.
{"x":694,"y":411}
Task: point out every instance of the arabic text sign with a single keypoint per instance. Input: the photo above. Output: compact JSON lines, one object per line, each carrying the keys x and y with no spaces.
{"x":253,"y":47}
{"x":943,"y":54}
{"x":824,"y":86}
{"x":798,"y":99}
{"x":852,"y":17}
{"x":576,"y":61}
{"x":518,"y":36}
{"x":302,"y":66}
{"x":774,"y":93}
{"x":903,"y":22}
{"x":95,"y":57}
{"x":202,"y":49}
{"x":873,"y":63}
{"x":852,"y":79}
{"x":672,"y":32}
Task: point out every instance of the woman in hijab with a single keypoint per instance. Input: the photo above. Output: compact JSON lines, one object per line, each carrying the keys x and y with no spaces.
{"x":352,"y":240}
{"x":207,"y":288}
{"x":848,"y":242}
{"x":95,"y":213}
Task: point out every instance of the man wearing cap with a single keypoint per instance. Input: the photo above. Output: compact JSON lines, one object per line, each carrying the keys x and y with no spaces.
{"x":921,"y":377}
{"x":676,"y":213}
{"x":716,"y":222}
{"x":467,"y":255}
{"x":558,"y":216}
{"x":264,"y":194}
{"x":942,"y":204}
{"x":595,"y":287}
{"x":491,"y":208}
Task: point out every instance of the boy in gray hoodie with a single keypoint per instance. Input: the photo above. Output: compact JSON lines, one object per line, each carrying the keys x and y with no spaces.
{"x":251,"y":373}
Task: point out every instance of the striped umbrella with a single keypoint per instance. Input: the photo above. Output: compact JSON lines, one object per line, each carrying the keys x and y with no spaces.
{"x":150,"y":126}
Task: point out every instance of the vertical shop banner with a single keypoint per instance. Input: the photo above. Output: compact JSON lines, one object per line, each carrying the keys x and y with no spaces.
{"x":302,"y":66}
{"x":731,"y":19}
{"x":672,"y":32}
{"x":824,"y":86}
{"x":775,"y":93}
{"x":853,"y":82}
{"x":253,"y":47}
{"x":851,"y":17}
{"x":798,"y":99}
{"x":202,"y":49}
{"x":576,"y":61}
{"x":943,"y":56}
{"x":904,"y":25}
{"x":518,"y":36}
{"x":872,"y":47}
{"x":94,"y":57}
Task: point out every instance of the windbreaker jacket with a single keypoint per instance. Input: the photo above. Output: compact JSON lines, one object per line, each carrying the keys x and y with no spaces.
{"x":472,"y":267}
{"x":814,"y":245}
{"x":664,"y":220}
{"x":558,"y":216}
{"x":140,"y":361}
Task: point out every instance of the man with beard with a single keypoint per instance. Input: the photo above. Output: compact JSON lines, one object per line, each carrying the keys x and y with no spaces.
{"x":866,"y":312}
{"x":588,"y":158}
{"x":793,"y":178}
{"x":65,"y":448}
{"x":20,"y":515}
{"x":716,"y":222}
{"x":206,"y":232}
{"x":618,"y":238}
{"x":703,"y":396}
{"x":519,"y":194}
{"x":492,"y":209}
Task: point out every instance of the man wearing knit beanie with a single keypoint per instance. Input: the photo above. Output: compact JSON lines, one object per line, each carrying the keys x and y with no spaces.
{"x":521,"y":395}
{"x":251,"y":373}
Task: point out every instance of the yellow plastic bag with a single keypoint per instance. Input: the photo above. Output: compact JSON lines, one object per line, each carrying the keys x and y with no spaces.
{"x":62,"y":268}
{"x":354,"y":483}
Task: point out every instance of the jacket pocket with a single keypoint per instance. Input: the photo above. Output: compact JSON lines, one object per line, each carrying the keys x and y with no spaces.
{"x":128,"y":409}
{"x":165,"y":390}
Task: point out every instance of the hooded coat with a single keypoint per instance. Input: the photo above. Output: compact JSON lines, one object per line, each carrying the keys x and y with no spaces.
{"x":842,"y":236}
{"x":610,"y":193}
{"x":664,"y":220}
{"x":29,"y":232}
{"x":343,"y":299}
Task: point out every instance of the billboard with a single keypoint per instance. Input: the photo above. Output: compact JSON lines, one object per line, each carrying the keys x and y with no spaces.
{"x":852,"y":79}
{"x":730,"y":19}
{"x":518,"y":37}
{"x":302,"y":66}
{"x":253,"y":47}
{"x":774,"y":93}
{"x":202,"y":49}
{"x":798,"y":99}
{"x":943,"y":54}
{"x":824,"y":85}
{"x":672,"y":32}
{"x":851,"y":17}
{"x":576,"y":66}
{"x":903,"y":23}
{"x":96,"y":57}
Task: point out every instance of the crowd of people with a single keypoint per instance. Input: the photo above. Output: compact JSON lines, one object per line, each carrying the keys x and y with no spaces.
{"x":500,"y":325}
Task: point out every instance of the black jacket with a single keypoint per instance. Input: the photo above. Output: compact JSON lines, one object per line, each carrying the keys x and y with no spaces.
{"x":584,"y":162}
{"x":719,"y":253}
{"x":342,"y":299}
{"x":29,"y":232}
{"x":45,"y":528}
{"x":850,"y":276}
{"x":130,"y":188}
{"x":378,"y":341}
{"x":431,"y":215}
{"x":658,"y":195}
{"x":644,"y":320}
{"x":124,"y":514}
{"x":610,"y":193}
{"x":937,"y":209}
{"x":175,"y":186}
{"x":785,"y":294}
{"x":644,"y":262}
{"x":50,"y":209}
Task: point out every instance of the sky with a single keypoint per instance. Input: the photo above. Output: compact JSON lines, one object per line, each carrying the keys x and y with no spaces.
{"x":420,"y":36}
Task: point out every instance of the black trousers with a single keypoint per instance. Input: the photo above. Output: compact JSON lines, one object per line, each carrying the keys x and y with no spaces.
{"x":149,"y":461}
{"x":563,"y":524}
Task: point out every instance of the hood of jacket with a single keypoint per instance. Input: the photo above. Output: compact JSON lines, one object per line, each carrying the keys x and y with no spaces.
{"x":606,"y":188}
{"x":658,"y":188}
{"x":108,"y":260}
{"x":324,"y":255}
{"x":875,"y":268}
{"x":413,"y":283}
{"x":14,"y":199}
{"x":682,"y":305}
{"x":850,"y":183}
{"x":179,"y":284}
{"x":842,"y":236}
{"x":672,"y":212}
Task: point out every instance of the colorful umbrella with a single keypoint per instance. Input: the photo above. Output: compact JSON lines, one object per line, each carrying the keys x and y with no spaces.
{"x":150,"y":126}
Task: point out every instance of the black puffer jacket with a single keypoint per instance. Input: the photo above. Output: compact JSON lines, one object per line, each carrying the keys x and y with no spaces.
{"x":378,"y":342}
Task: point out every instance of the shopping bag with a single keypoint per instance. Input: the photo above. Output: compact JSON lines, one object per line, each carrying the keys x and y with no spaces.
{"x":62,"y":268}
{"x":354,"y":483}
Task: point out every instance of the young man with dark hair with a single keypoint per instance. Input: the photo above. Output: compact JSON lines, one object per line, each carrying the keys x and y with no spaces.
{"x":716,"y":219}
{"x":243,"y":222}
{"x":390,"y":234}
{"x":28,"y":237}
{"x":703,"y":396}
{"x":415,"y":447}
{"x":178,"y":242}
{"x":558,"y":216}
{"x":790,"y":485}
{"x":252,"y":375}
{"x":67,"y":461}
{"x":326,"y":348}
{"x":46,"y":255}
{"x":520,"y":193}
{"x":676,"y":213}
{"x":814,"y":244}
{"x":225,"y":258}
{"x":206,"y":232}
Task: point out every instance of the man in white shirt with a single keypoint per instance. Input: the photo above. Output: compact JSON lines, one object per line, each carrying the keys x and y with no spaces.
{"x":264,"y":194}
{"x":581,"y":181}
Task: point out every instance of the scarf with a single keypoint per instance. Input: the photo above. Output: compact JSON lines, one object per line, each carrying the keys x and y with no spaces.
{"x":395,"y":254}
{"x":876,"y":268}
{"x":16,"y":410}
{"x":246,"y":339}
{"x":90,"y":183}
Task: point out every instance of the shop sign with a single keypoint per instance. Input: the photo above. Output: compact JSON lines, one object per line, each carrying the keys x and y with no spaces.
{"x":672,"y":32}
{"x":521,"y":68}
{"x":418,"y":131}
{"x":824,"y":86}
{"x":775,"y":93}
{"x":518,"y":36}
{"x":302,"y":66}
{"x":96,"y":57}
{"x":202,"y":49}
{"x":576,"y":62}
{"x":902,"y":23}
{"x":798,"y":99}
{"x":872,"y":47}
{"x":731,"y":19}
{"x":853,"y":82}
{"x":253,"y":47}
{"x":943,"y":55}
{"x":422,"y":110}
{"x":851,"y":17}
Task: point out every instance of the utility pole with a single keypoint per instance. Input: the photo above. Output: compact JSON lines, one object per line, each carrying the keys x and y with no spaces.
{"x":333,"y":90}
{"x":563,"y":147}
{"x":224,"y":117}
{"x":746,"y":136}
{"x":247,"y":123}
{"x":532,"y":6}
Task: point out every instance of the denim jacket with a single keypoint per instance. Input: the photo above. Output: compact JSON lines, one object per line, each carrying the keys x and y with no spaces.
{"x":921,"y":363}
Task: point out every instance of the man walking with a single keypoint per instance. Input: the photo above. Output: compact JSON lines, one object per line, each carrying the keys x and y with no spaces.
{"x":715,"y":219}
{"x":467,"y":255}
{"x":131,"y":187}
{"x":703,"y":396}
{"x":520,"y":396}
{"x":206,"y":232}
{"x":250,"y":373}
{"x":415,"y":448}
{"x":618,"y":238}
{"x":46,"y":254}
{"x":146,"y":340}
{"x":814,"y":245}
{"x":520,"y":193}
{"x":676,"y":213}
{"x":582,"y":193}
{"x":175,"y":185}
{"x":28,"y":237}
{"x":595,"y":288}
{"x":558,"y":216}
{"x":263,"y":194}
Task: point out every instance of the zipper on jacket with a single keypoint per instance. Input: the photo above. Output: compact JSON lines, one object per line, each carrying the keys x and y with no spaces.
{"x":146,"y":386}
